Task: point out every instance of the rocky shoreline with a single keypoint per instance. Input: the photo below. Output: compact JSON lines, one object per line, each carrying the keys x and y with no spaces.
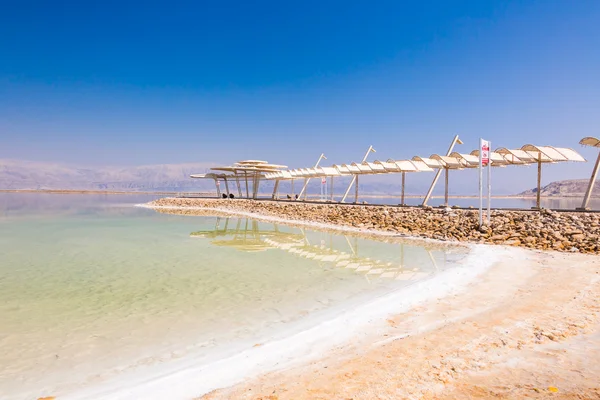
{"x":542,"y":230}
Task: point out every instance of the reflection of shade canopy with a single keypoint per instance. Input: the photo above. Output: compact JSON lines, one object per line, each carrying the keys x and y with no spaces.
{"x":592,"y":142}
{"x":248,"y":236}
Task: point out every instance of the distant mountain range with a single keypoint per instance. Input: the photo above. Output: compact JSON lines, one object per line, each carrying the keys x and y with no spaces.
{"x":20,"y":175}
{"x":568,"y":188}
{"x":17,"y":174}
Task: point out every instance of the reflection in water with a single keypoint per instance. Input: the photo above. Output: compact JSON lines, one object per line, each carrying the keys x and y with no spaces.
{"x":248,"y":235}
{"x":92,"y":289}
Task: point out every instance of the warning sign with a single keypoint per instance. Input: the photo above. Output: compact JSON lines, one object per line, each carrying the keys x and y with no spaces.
{"x":485,"y":152}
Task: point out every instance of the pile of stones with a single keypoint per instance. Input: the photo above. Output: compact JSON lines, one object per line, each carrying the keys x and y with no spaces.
{"x":543,"y":230}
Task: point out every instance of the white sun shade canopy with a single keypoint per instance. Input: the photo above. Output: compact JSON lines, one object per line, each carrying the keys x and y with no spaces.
{"x":330,"y":171}
{"x":590,"y":141}
{"x":431,"y":163}
{"x":363,"y":168}
{"x":468,"y":160}
{"x":449,"y":161}
{"x":352,"y":168}
{"x":553,"y":154}
{"x":376,"y":168}
{"x":517,"y":156}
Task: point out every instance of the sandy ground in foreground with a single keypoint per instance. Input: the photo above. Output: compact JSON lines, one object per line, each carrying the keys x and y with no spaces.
{"x":528,"y":328}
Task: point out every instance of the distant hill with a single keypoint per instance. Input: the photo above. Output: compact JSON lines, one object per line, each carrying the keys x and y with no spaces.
{"x":568,"y":188}
{"x":17,"y":174}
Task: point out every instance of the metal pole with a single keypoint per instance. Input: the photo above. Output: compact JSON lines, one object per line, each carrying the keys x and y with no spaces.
{"x":247,"y":191}
{"x":480,"y":183}
{"x":455,"y":141}
{"x":275,"y":186}
{"x":332,"y":186}
{"x":226,"y":186}
{"x":538,"y":201}
{"x":446,"y":187}
{"x":292,"y":188}
{"x":588,"y":193}
{"x":218,"y":189}
{"x":371,"y":149}
{"x":489,"y":185}
{"x":256,"y":185}
{"x":237,"y":180}
{"x":356,"y":190}
{"x":403,"y":185}
{"x":322,"y":156}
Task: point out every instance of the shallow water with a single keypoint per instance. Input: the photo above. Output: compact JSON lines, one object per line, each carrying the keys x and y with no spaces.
{"x":93,"y":289}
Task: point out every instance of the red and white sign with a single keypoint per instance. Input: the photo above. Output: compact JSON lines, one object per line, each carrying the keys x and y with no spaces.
{"x":323,"y":180}
{"x":485,"y":152}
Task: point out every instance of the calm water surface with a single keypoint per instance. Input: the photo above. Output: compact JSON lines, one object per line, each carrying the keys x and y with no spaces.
{"x":93,"y":289}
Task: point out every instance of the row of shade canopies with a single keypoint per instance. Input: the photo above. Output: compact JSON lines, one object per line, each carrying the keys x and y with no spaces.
{"x":501,"y":157}
{"x":249,"y":173}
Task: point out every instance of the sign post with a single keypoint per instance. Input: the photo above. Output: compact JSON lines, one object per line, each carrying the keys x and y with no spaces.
{"x":484,"y":161}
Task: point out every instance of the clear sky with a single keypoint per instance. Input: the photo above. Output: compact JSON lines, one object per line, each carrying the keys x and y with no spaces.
{"x":117,"y":82}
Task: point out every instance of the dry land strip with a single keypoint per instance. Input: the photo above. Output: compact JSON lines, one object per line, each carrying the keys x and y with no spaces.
{"x":541,"y":230}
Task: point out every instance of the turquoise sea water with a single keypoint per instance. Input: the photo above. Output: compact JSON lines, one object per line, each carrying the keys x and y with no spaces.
{"x":93,"y":288}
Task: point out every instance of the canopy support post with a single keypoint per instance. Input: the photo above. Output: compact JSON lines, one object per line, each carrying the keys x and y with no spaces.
{"x":226,"y":186}
{"x":256,"y":185}
{"x":403,"y":186}
{"x":292,"y":188}
{"x":538,"y":199}
{"x":356,"y":190}
{"x":588,"y":193}
{"x":247,"y":190}
{"x":239,"y":187}
{"x":455,"y":141}
{"x":217,"y":185}
{"x":275,"y":187}
{"x":447,"y":173}
{"x":332,"y":186}
{"x":354,"y":177}
{"x":322,"y":156}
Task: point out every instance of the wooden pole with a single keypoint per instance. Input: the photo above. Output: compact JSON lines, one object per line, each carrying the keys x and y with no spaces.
{"x":403,"y":185}
{"x":588,"y":192}
{"x":437,"y":174}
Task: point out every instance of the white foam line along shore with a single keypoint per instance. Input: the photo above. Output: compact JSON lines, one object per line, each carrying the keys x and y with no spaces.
{"x":308,"y":344}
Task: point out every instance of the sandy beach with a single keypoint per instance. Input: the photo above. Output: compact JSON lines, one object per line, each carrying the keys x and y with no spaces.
{"x":527,"y":327}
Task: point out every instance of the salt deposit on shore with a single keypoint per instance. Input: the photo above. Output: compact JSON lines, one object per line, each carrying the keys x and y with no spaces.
{"x":528,"y":327}
{"x":542,"y":230}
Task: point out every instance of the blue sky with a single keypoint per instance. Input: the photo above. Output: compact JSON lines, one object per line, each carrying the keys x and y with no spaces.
{"x":151,"y":82}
